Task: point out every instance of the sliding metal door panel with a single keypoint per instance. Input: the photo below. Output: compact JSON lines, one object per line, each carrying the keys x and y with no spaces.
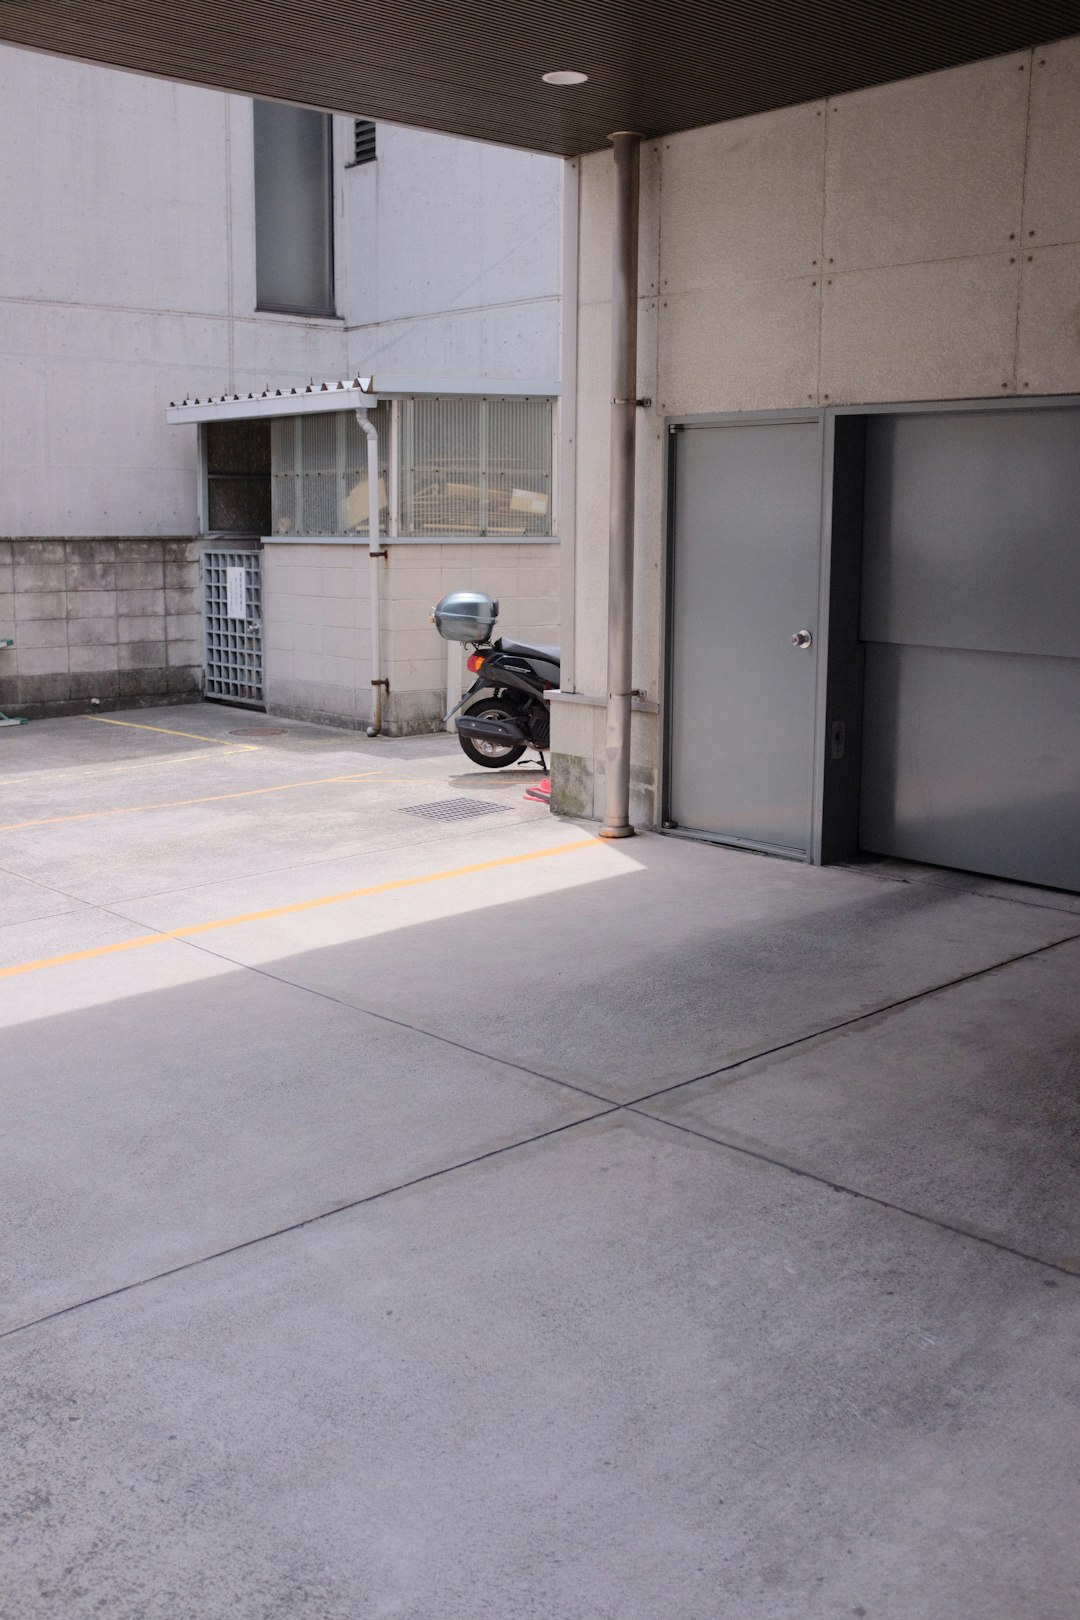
{"x":972,"y":530}
{"x":972,"y":760}
{"x":971,"y":590}
{"x":746,"y":548}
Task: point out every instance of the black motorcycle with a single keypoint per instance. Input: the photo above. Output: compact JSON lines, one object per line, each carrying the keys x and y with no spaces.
{"x":495,"y":730}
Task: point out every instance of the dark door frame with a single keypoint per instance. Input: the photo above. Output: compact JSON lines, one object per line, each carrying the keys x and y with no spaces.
{"x":834,"y":793}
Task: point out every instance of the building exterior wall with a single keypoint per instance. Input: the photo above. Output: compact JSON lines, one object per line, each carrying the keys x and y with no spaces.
{"x":316,"y":607}
{"x":453,"y":257}
{"x":918,"y":241}
{"x":127,"y":280}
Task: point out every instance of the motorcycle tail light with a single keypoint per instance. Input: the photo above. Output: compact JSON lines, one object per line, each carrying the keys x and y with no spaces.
{"x":475,"y":660}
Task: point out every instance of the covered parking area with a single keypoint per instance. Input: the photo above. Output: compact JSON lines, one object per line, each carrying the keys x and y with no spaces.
{"x":492,"y":1218}
{"x":420,"y":1206}
{"x":425,"y":1216}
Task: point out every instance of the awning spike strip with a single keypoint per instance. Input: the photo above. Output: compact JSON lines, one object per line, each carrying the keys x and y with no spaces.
{"x":365,"y":385}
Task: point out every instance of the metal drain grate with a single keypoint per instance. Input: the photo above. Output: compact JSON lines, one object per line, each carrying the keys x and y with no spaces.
{"x":453,"y":809}
{"x":259,"y":731}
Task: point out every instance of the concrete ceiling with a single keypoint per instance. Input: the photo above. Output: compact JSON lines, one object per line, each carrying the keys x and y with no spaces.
{"x":473,"y":68}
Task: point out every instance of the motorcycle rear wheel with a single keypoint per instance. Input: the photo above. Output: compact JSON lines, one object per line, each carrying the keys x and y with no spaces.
{"x":480,"y":750}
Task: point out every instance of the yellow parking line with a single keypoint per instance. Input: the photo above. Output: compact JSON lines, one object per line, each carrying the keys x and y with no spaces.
{"x":178,"y":804}
{"x":166,"y":731}
{"x":297,"y":906}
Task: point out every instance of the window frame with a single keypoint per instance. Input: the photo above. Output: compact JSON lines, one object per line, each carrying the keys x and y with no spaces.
{"x":299,"y":311}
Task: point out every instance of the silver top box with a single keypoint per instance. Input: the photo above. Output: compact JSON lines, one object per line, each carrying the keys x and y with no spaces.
{"x":465,"y":616}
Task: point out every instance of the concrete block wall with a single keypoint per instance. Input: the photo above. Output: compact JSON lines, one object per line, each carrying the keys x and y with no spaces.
{"x":916,"y":241}
{"x":316,"y":647}
{"x":98,"y":623}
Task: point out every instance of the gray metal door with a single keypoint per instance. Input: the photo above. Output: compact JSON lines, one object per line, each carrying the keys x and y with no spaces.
{"x":971,"y":615}
{"x":745,"y":574}
{"x":232,"y":624}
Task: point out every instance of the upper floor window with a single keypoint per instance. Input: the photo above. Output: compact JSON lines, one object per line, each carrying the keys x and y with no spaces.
{"x":294,"y":220}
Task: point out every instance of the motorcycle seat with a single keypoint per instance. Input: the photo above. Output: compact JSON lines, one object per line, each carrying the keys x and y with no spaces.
{"x":529,"y":649}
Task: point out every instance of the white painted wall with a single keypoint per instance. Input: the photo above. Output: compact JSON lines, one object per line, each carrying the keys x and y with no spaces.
{"x":127,"y":279}
{"x":916,"y":241}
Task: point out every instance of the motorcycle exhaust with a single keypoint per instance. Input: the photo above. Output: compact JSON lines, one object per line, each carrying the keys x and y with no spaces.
{"x":504,"y":731}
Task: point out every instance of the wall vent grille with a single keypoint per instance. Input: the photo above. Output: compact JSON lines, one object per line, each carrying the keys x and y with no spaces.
{"x":363,"y":142}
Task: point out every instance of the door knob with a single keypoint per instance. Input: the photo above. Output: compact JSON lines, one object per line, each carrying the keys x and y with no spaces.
{"x":802,"y":638}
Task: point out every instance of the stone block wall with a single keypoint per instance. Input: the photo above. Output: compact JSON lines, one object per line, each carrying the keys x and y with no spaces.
{"x":112,"y":620}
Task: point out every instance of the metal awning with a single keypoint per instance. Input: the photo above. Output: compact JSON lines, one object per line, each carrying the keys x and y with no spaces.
{"x":474,"y":68}
{"x":348,"y":394}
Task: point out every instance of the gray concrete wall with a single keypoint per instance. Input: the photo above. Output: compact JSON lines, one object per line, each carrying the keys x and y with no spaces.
{"x":452,"y":253}
{"x":918,"y":241}
{"x":316,"y":623}
{"x":111,"y":622}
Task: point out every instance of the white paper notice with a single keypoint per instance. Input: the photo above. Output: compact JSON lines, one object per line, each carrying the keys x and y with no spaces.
{"x":529,"y":500}
{"x":236,"y":593}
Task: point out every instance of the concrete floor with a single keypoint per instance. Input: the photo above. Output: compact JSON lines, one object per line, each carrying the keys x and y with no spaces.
{"x":436,"y":1220}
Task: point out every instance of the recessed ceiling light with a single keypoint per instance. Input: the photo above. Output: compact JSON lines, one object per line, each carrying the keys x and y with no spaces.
{"x":565,"y":76}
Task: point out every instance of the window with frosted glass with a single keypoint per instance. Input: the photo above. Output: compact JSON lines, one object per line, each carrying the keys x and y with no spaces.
{"x":476,"y":466}
{"x":294,"y":233}
{"x":465,"y":466}
{"x":320,"y":483}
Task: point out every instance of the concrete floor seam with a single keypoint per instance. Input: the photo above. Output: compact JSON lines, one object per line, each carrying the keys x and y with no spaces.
{"x":851,"y":1023}
{"x":49,"y":888}
{"x":397,"y":1023}
{"x":308,"y":1220}
{"x":855,"y":1192}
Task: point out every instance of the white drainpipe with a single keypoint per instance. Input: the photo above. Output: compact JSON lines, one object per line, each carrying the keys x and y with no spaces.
{"x":375,"y":556}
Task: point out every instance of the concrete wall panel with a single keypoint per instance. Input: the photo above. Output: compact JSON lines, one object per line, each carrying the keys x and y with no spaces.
{"x":749,"y":345}
{"x":1051,"y":193}
{"x":931,"y":168}
{"x":114,"y":188}
{"x":743,"y":201}
{"x":437,"y":224}
{"x":1048,"y":343}
{"x":943,"y":330}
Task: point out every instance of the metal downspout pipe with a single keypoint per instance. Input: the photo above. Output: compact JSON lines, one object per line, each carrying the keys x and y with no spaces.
{"x":624,"y":267}
{"x":375,"y":555}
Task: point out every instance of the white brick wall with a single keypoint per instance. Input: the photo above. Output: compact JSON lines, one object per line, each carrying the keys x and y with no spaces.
{"x":316,"y":623}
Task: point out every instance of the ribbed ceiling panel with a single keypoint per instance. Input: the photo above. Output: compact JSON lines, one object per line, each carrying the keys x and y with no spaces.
{"x":473,"y":68}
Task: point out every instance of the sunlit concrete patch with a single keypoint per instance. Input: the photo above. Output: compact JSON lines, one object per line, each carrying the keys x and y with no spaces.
{"x":964,"y":1106}
{"x":99,"y":975}
{"x":103,"y":837}
{"x":440,"y":878}
{"x":615,"y":1375}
